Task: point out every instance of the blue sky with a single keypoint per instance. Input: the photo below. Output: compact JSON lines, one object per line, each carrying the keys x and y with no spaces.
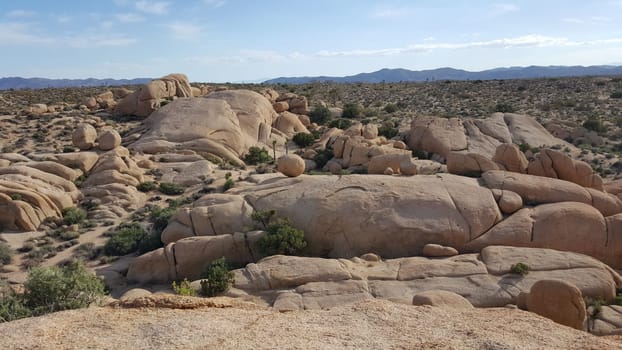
{"x":245,"y":40}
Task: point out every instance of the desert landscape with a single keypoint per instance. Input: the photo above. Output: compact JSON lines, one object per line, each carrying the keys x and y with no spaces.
{"x":319,"y":215}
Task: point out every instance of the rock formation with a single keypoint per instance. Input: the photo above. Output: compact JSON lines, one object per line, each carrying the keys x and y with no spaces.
{"x":147,"y":98}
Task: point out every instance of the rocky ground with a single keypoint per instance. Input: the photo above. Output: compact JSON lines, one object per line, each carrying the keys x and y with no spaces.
{"x":233,"y":325}
{"x":428,"y":190}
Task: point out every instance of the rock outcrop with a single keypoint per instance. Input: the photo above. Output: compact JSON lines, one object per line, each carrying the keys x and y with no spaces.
{"x":147,"y":98}
{"x":559,"y":301}
{"x":225,"y":124}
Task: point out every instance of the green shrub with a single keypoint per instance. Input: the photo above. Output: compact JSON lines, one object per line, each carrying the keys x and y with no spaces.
{"x":594,"y":124}
{"x":323,"y":156}
{"x":68,"y":235}
{"x":351,"y":110}
{"x":340,"y":123}
{"x":73,"y":215}
{"x":171,"y":189}
{"x":11,"y":304}
{"x":16,"y":196}
{"x":257,"y":155}
{"x":303,"y":139}
{"x":281,"y":238}
{"x":520,"y":268}
{"x":6,"y":253}
{"x":146,"y":186}
{"x":390,"y":108}
{"x":216,"y":278}
{"x":126,"y":240}
{"x":159,"y":217}
{"x":504,"y":108}
{"x":388,"y":131}
{"x":320,"y":115}
{"x":184,"y":288}
{"x":229,"y":183}
{"x":50,"y":289}
{"x":617,"y":94}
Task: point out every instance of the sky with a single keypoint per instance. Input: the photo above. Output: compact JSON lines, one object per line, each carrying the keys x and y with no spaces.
{"x":251,"y":40}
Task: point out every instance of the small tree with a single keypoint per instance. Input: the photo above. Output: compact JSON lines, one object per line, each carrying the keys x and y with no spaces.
{"x":303,"y":139}
{"x":351,"y":110}
{"x":50,"y":289}
{"x":216,"y":278}
{"x":257,"y":155}
{"x":73,"y":215}
{"x":126,"y":240}
{"x":320,"y":115}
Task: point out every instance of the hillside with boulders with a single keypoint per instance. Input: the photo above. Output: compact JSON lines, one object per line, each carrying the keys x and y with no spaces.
{"x":366,"y":215}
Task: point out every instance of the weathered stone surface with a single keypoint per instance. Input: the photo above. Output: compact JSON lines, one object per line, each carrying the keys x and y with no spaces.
{"x":441,"y":298}
{"x":559,"y":301}
{"x":289,"y":124}
{"x":291,"y":165}
{"x":437,"y":135}
{"x":469,"y":164}
{"x":555,"y":164}
{"x":147,"y":98}
{"x":225,"y":123}
{"x":108,"y":140}
{"x":437,"y":250}
{"x":84,"y":136}
{"x":511,"y":158}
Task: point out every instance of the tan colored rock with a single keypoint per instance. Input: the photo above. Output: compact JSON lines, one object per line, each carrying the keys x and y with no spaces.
{"x":555,"y":164}
{"x":304,"y":119}
{"x":291,"y":165}
{"x":399,"y":145}
{"x":56,"y":169}
{"x":509,"y":202}
{"x":559,"y":301}
{"x":388,"y":171}
{"x":147,"y":98}
{"x":334,"y":167}
{"x":370,"y":131}
{"x":511,"y":158}
{"x":38,"y":109}
{"x":437,"y":250}
{"x":84,"y":136}
{"x":90,"y":102}
{"x":437,"y":135}
{"x":441,"y":298}
{"x":108,"y":140}
{"x":78,"y":160}
{"x":289,"y":124}
{"x":468,"y":163}
{"x":280,"y":107}
{"x":225,"y":124}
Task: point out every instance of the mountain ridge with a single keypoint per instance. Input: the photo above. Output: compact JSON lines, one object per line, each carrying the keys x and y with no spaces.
{"x":392,"y":75}
{"x":19,"y":83}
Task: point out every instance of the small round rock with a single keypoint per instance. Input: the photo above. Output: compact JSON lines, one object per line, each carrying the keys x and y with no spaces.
{"x":291,"y":165}
{"x":437,"y":250}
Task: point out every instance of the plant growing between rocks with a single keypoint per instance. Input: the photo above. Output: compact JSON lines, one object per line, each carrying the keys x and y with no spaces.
{"x":216,"y":278}
{"x":281,"y":237}
{"x":171,"y":189}
{"x":183,"y":288}
{"x":6,"y":253}
{"x":257,"y":155}
{"x":303,"y":139}
{"x":520,"y":268}
{"x":73,"y":215}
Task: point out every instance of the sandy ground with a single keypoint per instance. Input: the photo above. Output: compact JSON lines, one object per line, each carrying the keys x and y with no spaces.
{"x":231,"y":324}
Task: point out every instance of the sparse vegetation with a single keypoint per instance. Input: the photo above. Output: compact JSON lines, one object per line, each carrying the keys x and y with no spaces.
{"x":320,"y":115}
{"x":126,"y":240}
{"x":171,"y":189}
{"x":257,"y":155}
{"x":229,"y":182}
{"x":323,"y":156}
{"x":351,"y":111}
{"x":281,"y":237}
{"x":6,"y":253}
{"x":147,"y":186}
{"x":216,"y":278}
{"x":183,"y":288}
{"x":73,"y":215}
{"x":520,"y":268}
{"x":340,"y":123}
{"x":303,"y":139}
{"x":390,"y":108}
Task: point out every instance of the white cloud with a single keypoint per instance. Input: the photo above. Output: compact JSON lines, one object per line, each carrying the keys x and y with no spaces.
{"x":183,"y":30}
{"x":20,"y":13}
{"x":129,"y":17}
{"x":502,"y":9}
{"x":573,"y":20}
{"x":215,"y":3}
{"x":589,"y":20}
{"x":392,"y":12}
{"x":153,"y":7}
{"x":99,"y":41}
{"x":15,"y":33}
{"x":62,"y":18}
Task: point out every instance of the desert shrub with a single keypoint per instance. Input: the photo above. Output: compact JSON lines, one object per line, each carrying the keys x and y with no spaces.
{"x":126,"y":240}
{"x":171,"y":189}
{"x":281,"y":238}
{"x":6,"y":253}
{"x":594,"y":124}
{"x":11,"y":304}
{"x":340,"y":123}
{"x":146,"y":186}
{"x":351,"y":110}
{"x":16,"y":196}
{"x":303,"y":139}
{"x":68,"y":235}
{"x":323,"y":156}
{"x":388,"y":130}
{"x":257,"y":155}
{"x":504,"y":108}
{"x":150,"y":241}
{"x":73,"y":215}
{"x":229,"y":182}
{"x":263,"y":217}
{"x":520,"y":268}
{"x":50,"y":289}
{"x":320,"y":115}
{"x":216,"y":278}
{"x":390,"y":108}
{"x":183,"y":288}
{"x":617,"y":94}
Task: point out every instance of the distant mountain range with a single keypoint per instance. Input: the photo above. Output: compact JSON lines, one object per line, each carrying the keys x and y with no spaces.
{"x":42,"y":83}
{"x":398,"y":74}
